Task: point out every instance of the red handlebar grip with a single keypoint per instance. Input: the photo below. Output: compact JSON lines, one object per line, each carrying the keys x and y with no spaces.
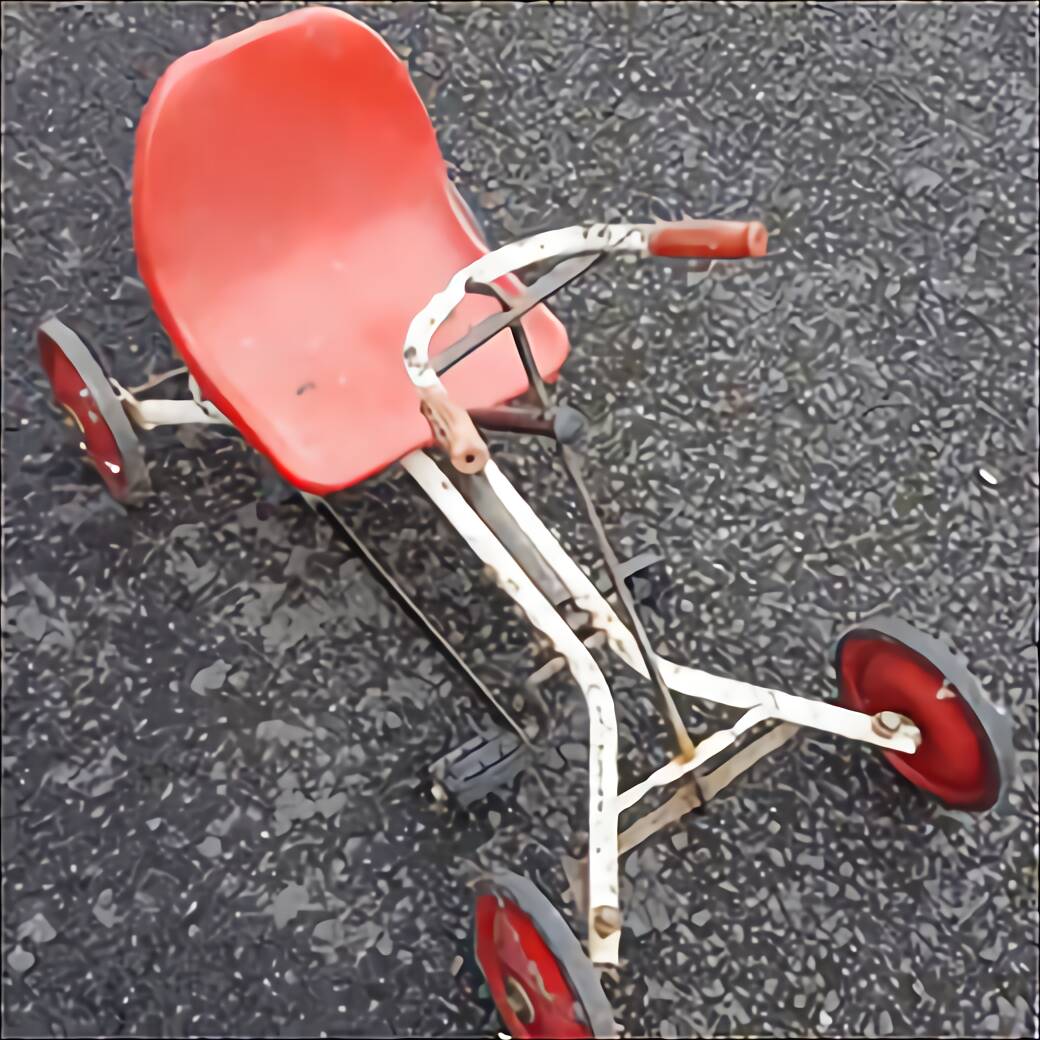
{"x":709,"y":239}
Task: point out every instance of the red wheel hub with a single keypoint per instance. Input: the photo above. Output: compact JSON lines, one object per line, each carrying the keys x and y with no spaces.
{"x":954,"y":760}
{"x":96,"y":438}
{"x":528,"y":985}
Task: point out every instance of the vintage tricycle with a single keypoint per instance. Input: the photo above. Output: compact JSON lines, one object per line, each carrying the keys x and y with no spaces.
{"x":334,"y":300}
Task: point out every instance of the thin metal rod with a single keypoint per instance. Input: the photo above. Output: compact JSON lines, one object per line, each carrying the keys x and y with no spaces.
{"x":391,"y":584}
{"x":523,"y":346}
{"x":707,"y":749}
{"x":681,"y":742}
{"x":512,"y":420}
{"x":155,"y":380}
{"x":542,"y":289}
{"x":700,"y":790}
{"x":696,"y":791}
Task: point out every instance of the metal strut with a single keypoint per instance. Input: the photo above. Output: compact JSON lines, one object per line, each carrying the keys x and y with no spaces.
{"x":571,"y":458}
{"x":387,"y":580}
{"x":563,"y":273}
{"x":567,"y":429}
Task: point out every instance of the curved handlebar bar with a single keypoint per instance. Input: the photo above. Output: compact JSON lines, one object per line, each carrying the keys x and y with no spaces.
{"x":701,"y":239}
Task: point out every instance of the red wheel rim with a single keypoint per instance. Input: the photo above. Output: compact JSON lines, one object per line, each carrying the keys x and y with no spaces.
{"x":528,"y":985}
{"x":954,"y":761}
{"x":95,"y":435}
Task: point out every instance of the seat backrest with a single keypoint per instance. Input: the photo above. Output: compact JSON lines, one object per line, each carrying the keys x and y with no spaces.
{"x":249,"y":127}
{"x":291,"y":214}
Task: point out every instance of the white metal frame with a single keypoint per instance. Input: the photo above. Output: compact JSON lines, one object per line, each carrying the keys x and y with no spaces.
{"x":634,"y":239}
{"x":549,"y":245}
{"x":152,"y":412}
{"x":605,"y":803}
{"x":604,"y":910}
{"x":760,"y":704}
{"x":691,"y":682}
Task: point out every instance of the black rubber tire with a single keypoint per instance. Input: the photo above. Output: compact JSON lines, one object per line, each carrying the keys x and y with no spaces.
{"x":484,"y":763}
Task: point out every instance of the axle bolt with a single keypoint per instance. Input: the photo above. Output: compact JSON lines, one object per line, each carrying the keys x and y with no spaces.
{"x":886,"y":723}
{"x":606,"y":920}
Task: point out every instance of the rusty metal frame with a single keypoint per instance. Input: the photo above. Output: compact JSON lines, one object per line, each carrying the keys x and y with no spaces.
{"x":606,"y":804}
{"x":152,"y":412}
{"x":679,"y":737}
{"x":693,"y":793}
{"x":604,"y":920}
{"x":570,"y":251}
{"x":559,"y":245}
{"x":567,"y":427}
{"x":692,"y":682}
{"x":701,"y":789}
{"x":574,"y":250}
{"x":513,"y":309}
{"x":581,"y":246}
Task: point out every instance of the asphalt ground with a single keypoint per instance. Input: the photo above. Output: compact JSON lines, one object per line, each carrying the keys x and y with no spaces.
{"x":216,"y":724}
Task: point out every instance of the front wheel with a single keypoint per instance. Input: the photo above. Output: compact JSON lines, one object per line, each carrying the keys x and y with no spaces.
{"x":542,"y":982}
{"x":966,"y":755}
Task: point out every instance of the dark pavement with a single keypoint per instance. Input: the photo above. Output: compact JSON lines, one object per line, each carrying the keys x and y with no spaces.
{"x":216,"y":724}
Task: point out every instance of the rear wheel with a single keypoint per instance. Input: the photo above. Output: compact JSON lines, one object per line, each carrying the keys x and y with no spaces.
{"x":966,"y":755}
{"x":93,"y":412}
{"x":542,"y":983}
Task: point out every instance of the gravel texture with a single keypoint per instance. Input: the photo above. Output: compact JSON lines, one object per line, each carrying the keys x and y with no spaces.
{"x":217,"y":725}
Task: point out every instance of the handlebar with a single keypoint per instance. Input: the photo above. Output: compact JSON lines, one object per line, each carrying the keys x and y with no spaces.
{"x":452,"y":426}
{"x":708,"y":239}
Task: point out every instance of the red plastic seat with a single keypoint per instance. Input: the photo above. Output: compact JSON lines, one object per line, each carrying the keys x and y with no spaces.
{"x":292,"y":213}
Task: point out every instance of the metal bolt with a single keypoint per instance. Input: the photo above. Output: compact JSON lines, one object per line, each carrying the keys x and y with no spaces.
{"x":606,"y":920}
{"x":519,"y":1001}
{"x":886,"y":723}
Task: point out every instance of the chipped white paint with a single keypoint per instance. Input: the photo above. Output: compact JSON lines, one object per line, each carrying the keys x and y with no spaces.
{"x":603,"y":806}
{"x":149,"y":414}
{"x":559,"y":244}
{"x":689,"y":796}
{"x":706,"y":750}
{"x":707,"y":787}
{"x":156,"y":412}
{"x":691,"y":682}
